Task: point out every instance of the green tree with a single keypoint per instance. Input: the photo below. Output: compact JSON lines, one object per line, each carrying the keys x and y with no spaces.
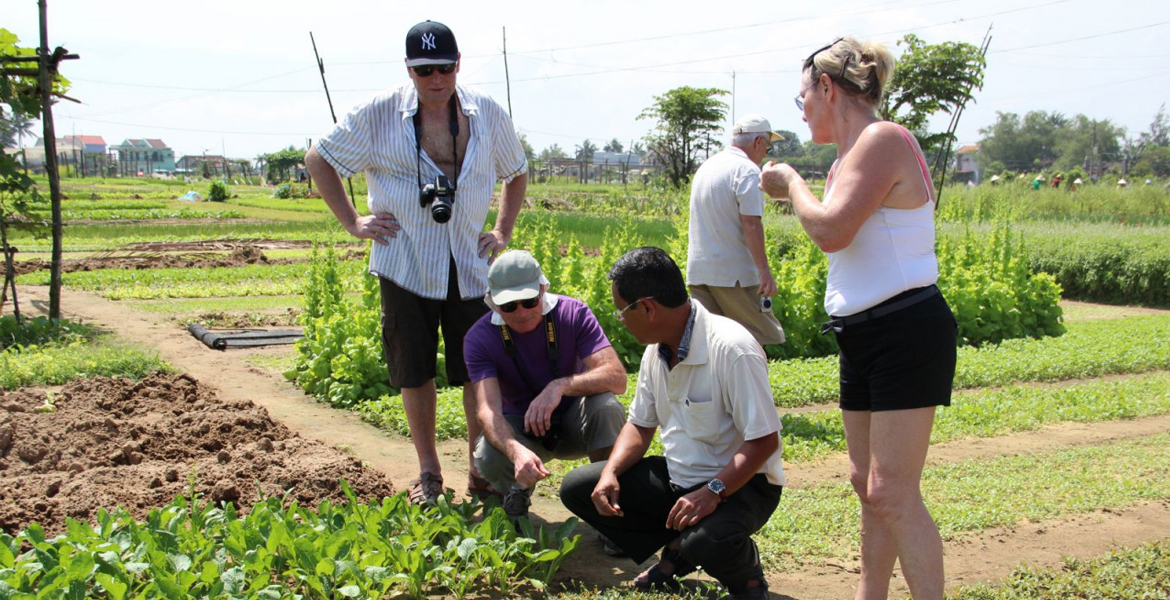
{"x":528,"y":152}
{"x":1155,"y":161}
{"x":280,"y":164}
{"x":584,"y":151}
{"x":1044,"y":140}
{"x":687,"y":117}
{"x":552,"y":152}
{"x":789,"y":147}
{"x":1159,"y":133}
{"x":614,"y":146}
{"x":931,"y":78}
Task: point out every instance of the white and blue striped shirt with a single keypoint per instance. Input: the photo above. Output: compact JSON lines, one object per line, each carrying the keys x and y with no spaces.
{"x":378,"y":138}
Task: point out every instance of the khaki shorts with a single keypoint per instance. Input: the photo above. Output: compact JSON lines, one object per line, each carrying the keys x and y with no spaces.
{"x":741,"y":304}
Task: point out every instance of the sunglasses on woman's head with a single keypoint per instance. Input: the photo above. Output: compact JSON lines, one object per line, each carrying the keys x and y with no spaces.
{"x":512,"y":306}
{"x":427,"y":70}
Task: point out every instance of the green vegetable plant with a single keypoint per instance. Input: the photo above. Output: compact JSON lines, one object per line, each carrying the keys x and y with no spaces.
{"x":192,"y":548}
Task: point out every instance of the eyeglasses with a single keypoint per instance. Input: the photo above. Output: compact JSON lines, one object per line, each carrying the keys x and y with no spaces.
{"x":510,"y":307}
{"x":427,"y":70}
{"x":800,"y":97}
{"x":621,"y":314}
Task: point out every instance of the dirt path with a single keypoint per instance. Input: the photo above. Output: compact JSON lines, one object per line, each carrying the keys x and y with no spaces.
{"x":988,"y":556}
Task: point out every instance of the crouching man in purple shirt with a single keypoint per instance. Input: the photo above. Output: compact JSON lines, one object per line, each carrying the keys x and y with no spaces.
{"x":545,"y":379}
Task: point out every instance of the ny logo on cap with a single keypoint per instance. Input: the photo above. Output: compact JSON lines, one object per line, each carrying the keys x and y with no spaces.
{"x":428,"y":41}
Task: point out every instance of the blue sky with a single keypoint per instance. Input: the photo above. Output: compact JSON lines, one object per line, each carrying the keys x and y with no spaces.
{"x":240,"y":77}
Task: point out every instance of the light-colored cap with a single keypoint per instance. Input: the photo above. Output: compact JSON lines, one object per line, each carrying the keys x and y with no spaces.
{"x":755,"y":124}
{"x":515,"y":276}
{"x":995,"y":178}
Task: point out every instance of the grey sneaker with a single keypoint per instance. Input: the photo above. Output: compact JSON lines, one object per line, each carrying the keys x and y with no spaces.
{"x":516,"y":502}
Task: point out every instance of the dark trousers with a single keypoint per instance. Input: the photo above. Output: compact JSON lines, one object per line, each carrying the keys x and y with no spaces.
{"x":720,"y":543}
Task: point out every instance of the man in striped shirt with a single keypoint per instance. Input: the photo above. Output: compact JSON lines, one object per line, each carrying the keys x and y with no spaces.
{"x":431,"y":153}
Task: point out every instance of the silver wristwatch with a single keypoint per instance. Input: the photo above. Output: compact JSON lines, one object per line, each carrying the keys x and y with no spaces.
{"x":716,"y":486}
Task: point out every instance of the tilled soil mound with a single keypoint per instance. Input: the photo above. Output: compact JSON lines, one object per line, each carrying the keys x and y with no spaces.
{"x":115,"y":442}
{"x":238,"y":257}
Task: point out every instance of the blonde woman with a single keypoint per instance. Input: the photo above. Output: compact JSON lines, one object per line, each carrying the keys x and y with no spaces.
{"x":896,"y":333}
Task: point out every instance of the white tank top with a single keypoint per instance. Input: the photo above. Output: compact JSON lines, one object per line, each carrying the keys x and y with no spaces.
{"x":891,"y":253}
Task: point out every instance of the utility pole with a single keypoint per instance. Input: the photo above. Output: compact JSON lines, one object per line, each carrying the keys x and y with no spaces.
{"x":329,"y":99}
{"x":507,"y":80}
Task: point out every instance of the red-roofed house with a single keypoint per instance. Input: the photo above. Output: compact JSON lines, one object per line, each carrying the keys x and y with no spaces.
{"x":966,"y":167}
{"x":145,"y":156}
{"x":84,"y":152}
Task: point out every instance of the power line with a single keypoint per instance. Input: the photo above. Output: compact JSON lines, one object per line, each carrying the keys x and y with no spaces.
{"x":1082,"y":38}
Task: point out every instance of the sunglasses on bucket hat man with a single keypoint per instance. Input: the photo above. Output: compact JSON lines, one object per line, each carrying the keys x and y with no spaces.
{"x":510,"y":307}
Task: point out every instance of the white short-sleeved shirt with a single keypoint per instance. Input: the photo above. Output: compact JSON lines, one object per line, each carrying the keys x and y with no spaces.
{"x":726,"y":186}
{"x":378,"y":138}
{"x":710,"y":403}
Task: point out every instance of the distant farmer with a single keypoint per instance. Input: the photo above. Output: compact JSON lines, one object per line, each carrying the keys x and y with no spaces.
{"x":428,"y":200}
{"x":727,"y":265}
{"x":545,"y":379}
{"x":703,"y":385}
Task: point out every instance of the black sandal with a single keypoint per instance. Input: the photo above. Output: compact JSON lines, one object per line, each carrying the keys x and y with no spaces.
{"x":654,"y":580}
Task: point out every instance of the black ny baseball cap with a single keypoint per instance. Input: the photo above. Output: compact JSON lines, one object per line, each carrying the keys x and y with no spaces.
{"x":430,"y":43}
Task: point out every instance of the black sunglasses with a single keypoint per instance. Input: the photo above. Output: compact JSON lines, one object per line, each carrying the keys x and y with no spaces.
{"x":512,"y":306}
{"x":427,"y":70}
{"x":808,"y":62}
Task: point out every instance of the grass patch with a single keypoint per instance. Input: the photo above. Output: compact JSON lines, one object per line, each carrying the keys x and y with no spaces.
{"x":251,"y":280}
{"x":995,"y":412}
{"x":1141,"y":572}
{"x":1088,"y":349}
{"x":1078,"y":311}
{"x":821,"y":522}
{"x":58,"y":365}
{"x":276,"y":362}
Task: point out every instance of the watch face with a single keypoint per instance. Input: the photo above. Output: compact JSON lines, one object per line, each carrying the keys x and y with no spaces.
{"x":716,"y":486}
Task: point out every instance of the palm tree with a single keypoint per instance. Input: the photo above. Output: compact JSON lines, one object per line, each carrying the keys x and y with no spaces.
{"x":584,"y":151}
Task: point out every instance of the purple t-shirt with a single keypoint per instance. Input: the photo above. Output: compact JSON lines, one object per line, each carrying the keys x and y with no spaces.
{"x":578,"y":336}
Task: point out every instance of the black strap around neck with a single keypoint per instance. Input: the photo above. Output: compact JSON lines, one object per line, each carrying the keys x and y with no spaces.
{"x":551,"y":350}
{"x":452,"y":126}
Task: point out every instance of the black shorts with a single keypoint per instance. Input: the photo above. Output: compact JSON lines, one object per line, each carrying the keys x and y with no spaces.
{"x":410,"y":332}
{"x":903,"y":360}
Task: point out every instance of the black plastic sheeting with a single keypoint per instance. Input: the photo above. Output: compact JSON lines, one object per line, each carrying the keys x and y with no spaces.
{"x":222,"y":340}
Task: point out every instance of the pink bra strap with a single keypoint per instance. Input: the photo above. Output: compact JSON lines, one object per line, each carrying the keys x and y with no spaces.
{"x":921,"y":161}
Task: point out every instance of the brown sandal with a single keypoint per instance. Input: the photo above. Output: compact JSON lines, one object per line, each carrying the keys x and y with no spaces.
{"x":426,"y":489}
{"x":480,"y":489}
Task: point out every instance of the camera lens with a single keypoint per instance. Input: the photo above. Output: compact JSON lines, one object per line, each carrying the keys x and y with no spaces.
{"x":441,"y":210}
{"x":765,"y":303}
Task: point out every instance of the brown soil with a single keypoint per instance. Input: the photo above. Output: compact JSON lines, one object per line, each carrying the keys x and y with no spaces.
{"x":150,"y":256}
{"x":101,"y":442}
{"x":988,"y":556}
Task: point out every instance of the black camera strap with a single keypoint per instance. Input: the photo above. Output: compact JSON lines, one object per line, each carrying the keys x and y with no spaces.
{"x":551,"y":350}
{"x":453,"y":125}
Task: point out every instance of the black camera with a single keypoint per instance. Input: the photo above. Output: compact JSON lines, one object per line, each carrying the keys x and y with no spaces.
{"x":440,"y":195}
